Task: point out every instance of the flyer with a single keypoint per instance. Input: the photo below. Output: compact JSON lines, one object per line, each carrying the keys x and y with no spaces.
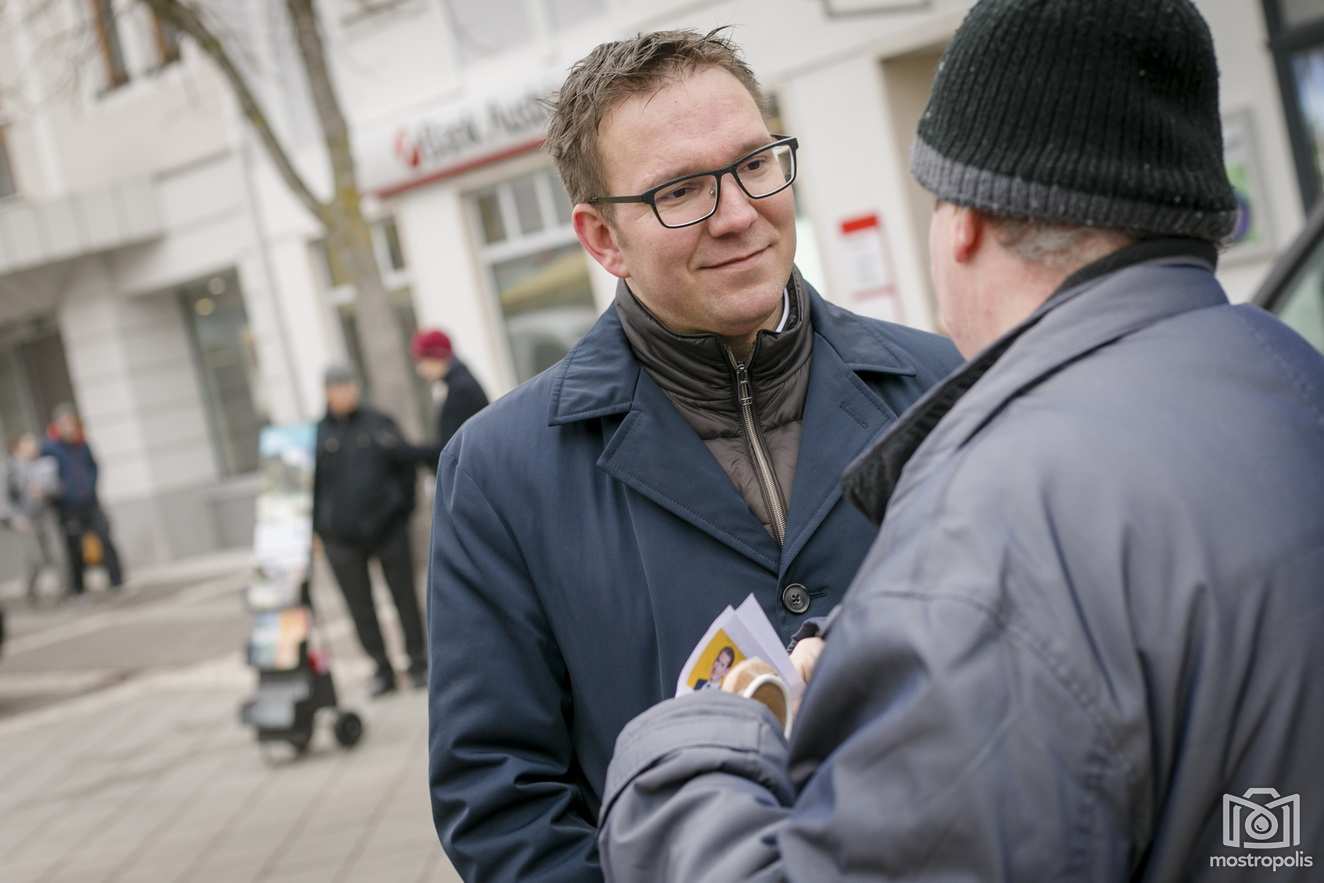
{"x":734,"y":636}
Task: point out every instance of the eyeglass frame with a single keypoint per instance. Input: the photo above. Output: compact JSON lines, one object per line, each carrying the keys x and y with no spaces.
{"x":649,"y":196}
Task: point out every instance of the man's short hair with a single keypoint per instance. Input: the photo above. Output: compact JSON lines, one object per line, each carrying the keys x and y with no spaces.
{"x":615,"y":71}
{"x":1057,"y":247}
{"x":339,"y":375}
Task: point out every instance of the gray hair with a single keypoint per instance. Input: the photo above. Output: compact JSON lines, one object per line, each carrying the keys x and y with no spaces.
{"x":1059,"y":247}
{"x":339,"y":375}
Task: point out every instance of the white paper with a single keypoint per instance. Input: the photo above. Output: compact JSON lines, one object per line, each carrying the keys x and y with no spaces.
{"x":734,"y":636}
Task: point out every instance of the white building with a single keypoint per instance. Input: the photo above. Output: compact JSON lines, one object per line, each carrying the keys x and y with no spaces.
{"x":154,"y":269}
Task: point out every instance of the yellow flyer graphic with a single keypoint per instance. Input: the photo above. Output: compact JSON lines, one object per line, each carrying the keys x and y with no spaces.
{"x":718,"y":657}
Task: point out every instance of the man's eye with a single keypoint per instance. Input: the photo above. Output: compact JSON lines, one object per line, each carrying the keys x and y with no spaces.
{"x":677,"y":193}
{"x":754,"y":166}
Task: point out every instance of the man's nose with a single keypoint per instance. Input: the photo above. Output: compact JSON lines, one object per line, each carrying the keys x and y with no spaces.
{"x":735,"y":211}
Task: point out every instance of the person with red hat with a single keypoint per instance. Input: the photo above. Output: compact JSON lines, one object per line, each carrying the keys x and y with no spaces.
{"x":456,"y":393}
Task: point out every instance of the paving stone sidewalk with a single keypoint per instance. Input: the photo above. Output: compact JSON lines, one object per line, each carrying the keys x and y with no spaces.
{"x":155,"y":780}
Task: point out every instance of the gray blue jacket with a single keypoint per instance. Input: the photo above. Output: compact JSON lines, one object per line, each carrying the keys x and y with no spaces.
{"x":1085,"y":644}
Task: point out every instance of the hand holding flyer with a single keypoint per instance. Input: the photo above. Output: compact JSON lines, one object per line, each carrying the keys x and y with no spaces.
{"x":736,"y":635}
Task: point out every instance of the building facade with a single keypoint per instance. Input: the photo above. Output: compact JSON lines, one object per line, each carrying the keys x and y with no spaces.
{"x":155,"y":270}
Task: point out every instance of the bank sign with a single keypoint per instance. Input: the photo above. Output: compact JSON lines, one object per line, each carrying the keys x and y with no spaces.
{"x":449,"y":141}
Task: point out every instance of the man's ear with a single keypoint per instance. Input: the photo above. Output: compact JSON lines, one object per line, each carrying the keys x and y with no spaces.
{"x":969,"y":228}
{"x":598,"y":239}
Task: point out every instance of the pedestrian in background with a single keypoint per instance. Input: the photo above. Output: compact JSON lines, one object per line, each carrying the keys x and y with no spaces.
{"x":1087,"y":644}
{"x":363,"y":495}
{"x":29,"y":482}
{"x":456,"y":393}
{"x":83,"y":522}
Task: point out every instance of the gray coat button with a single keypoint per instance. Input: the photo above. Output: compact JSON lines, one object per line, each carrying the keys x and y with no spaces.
{"x":795,"y":598}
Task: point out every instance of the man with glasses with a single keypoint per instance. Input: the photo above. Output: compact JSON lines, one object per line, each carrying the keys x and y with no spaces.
{"x":684,"y":455}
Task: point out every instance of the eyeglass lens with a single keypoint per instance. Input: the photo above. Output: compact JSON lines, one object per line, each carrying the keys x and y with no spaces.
{"x":759,"y":174}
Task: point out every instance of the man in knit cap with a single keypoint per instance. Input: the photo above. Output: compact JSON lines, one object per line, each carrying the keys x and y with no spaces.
{"x":1086,"y":644}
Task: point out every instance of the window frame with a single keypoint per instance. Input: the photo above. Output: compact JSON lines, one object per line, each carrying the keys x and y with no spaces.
{"x":1284,"y":42}
{"x":110,"y":43}
{"x":557,"y":233}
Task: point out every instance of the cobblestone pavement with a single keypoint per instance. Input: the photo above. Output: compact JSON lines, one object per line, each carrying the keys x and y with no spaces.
{"x":122,"y":758}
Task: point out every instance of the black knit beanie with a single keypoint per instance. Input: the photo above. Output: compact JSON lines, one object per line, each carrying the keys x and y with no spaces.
{"x":1101,"y":113}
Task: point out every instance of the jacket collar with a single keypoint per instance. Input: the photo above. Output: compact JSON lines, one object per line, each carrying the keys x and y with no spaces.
{"x":1115,"y":296}
{"x":695,"y":368}
{"x":600,"y":374}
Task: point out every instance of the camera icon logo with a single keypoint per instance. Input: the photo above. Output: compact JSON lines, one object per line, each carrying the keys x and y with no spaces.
{"x":1261,"y":819}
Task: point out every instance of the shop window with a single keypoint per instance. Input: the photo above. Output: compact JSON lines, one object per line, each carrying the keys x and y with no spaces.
{"x":34,"y":375}
{"x":1302,"y":304}
{"x":227,"y":365}
{"x":484,"y":28}
{"x":537,"y":269}
{"x":1296,"y":33}
{"x":7,"y":185}
{"x":106,"y":23}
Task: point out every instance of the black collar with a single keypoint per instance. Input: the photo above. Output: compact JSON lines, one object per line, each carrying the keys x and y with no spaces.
{"x":870,"y":480}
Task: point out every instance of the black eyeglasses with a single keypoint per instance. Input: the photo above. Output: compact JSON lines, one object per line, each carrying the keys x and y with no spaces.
{"x":691,"y":199}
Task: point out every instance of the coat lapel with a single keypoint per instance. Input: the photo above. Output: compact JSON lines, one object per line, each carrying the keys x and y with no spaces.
{"x":658,"y":454}
{"x":842,"y":417}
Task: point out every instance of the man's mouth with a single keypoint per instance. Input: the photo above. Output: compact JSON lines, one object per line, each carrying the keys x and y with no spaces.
{"x":738,"y":262}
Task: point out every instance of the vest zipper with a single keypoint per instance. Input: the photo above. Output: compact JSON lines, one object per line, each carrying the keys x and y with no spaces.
{"x":772,"y":495}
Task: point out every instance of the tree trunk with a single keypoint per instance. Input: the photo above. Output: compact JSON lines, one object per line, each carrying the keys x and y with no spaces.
{"x":381,"y":337}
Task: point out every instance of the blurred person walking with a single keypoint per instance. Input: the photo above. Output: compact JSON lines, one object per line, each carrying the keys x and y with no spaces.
{"x":456,"y":393}
{"x":363,"y":495}
{"x":83,"y":522}
{"x":28,"y":483}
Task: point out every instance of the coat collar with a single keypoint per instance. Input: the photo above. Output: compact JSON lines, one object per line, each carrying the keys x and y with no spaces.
{"x":600,"y":374}
{"x":1123,"y":293}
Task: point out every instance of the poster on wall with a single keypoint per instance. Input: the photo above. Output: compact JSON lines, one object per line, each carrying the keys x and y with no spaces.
{"x":1252,"y":237}
{"x":869,"y":271}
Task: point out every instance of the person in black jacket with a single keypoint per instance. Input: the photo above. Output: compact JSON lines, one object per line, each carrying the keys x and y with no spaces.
{"x":363,"y":495}
{"x":456,"y":393}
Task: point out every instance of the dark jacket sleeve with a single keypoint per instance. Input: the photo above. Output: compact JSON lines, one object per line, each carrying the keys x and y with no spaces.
{"x":504,"y":800}
{"x":317,"y":478}
{"x":464,"y":399}
{"x":937,"y":742}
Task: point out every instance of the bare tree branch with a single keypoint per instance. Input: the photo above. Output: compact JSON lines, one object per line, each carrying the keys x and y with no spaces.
{"x":335,"y":131}
{"x":186,"y":19}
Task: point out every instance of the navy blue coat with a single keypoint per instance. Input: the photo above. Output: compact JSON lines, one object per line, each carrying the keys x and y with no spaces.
{"x":583,"y":540}
{"x":77,"y":471}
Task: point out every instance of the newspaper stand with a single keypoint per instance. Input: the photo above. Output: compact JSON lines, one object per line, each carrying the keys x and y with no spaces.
{"x":294,"y":683}
{"x":294,"y":680}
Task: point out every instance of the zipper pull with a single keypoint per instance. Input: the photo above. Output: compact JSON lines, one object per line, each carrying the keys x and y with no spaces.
{"x":742,"y":384}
